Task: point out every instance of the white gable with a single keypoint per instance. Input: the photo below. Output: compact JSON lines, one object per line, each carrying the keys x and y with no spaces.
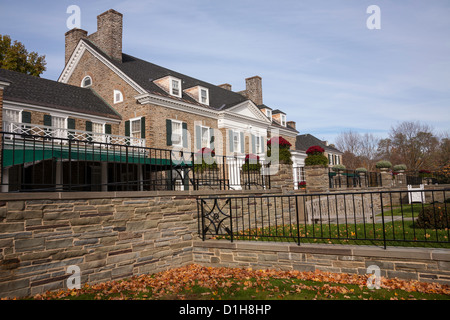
{"x":248,"y":110}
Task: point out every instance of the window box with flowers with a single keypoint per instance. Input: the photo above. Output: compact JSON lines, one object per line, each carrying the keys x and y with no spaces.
{"x":283,"y":149}
{"x":302,"y":185}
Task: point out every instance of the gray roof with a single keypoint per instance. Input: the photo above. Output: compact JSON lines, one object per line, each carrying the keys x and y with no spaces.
{"x":33,"y":90}
{"x":304,"y":141}
{"x":144,"y":73}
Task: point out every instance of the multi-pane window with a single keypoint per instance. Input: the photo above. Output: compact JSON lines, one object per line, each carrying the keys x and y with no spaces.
{"x":258,"y":144}
{"x":204,"y":96}
{"x":59,"y":125}
{"x":135,"y":128}
{"x":205,"y":137}
{"x":86,"y":82}
{"x":283,"y":120}
{"x":9,"y":117}
{"x":118,"y":96}
{"x":269,"y":114}
{"x":176,"y":87}
{"x":177,"y":133}
{"x":236,"y":141}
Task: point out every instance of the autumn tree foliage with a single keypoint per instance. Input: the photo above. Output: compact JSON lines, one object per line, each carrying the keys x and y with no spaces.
{"x":14,"y":56}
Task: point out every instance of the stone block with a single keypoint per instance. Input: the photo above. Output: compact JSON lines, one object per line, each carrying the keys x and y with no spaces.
{"x":11,"y":227}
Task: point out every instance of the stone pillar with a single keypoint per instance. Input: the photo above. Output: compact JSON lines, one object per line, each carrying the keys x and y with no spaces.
{"x":283,"y":179}
{"x":386,"y":179}
{"x":317,"y":179}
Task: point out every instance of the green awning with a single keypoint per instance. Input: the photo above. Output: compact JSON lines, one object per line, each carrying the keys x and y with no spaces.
{"x":22,"y":156}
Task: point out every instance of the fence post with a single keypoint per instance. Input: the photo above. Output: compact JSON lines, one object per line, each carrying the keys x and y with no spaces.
{"x":298,"y":222}
{"x":231,"y":221}
{"x":382,"y":220}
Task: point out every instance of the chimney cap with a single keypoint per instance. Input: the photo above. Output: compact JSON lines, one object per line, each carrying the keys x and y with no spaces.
{"x":254,"y":77}
{"x":76,"y":30}
{"x":110,"y":11}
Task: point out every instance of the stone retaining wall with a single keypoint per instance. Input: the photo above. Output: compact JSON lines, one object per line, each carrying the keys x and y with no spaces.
{"x":115,"y":235}
{"x":428,"y":265}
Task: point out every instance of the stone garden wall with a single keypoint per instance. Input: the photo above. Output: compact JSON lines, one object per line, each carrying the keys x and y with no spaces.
{"x":115,"y":235}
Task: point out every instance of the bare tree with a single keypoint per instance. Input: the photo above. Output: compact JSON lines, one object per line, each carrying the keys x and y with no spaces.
{"x":412,"y":144}
{"x":360,"y":150}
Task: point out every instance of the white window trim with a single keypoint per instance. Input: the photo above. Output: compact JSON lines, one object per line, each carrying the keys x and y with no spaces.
{"x":115,"y":96}
{"x":180,"y":89}
{"x":283,"y":120}
{"x":269,"y":114}
{"x":200,"y":95}
{"x":238,"y":135}
{"x":208,"y":135}
{"x":259,"y":137}
{"x":180,"y":144}
{"x":131,"y":125}
{"x":82,"y":82}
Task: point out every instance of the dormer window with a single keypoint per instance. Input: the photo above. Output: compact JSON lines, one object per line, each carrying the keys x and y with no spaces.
{"x":118,"y":96}
{"x":283,"y":120}
{"x":175,"y":87}
{"x":86,"y":82}
{"x":204,"y":96}
{"x":269,"y":114}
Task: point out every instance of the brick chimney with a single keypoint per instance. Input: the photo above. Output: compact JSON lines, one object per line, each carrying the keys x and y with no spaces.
{"x":107,"y":38}
{"x":109,"y":33}
{"x":253,"y":89}
{"x":72,"y":38}
{"x":291,"y":124}
{"x":226,"y":86}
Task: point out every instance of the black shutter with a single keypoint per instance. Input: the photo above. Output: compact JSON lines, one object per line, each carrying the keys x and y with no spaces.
{"x":127,"y":128}
{"x":107,"y":129}
{"x":26,"y":117}
{"x":89,"y":129}
{"x":71,"y":125}
{"x":169,"y":132}
{"x":143,"y":127}
{"x":47,"y":120}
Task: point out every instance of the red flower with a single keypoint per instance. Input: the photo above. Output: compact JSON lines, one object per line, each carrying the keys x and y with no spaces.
{"x":206,"y":151}
{"x":282,"y":142}
{"x":315,"y":149}
{"x":251,"y":157}
{"x":302,"y":184}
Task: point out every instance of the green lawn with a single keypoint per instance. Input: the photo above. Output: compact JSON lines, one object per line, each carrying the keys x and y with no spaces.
{"x":402,"y":232}
{"x":242,"y":284}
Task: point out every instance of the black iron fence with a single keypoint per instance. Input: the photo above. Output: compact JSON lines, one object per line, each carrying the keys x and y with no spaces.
{"x":419,"y":218}
{"x":46,"y":163}
{"x":353,"y":179}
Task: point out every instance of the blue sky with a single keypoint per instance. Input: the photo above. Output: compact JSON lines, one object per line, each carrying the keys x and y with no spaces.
{"x":318,"y":60}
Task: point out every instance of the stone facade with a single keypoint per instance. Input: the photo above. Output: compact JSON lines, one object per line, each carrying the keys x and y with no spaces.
{"x":427,"y":265}
{"x":115,"y":235}
{"x":317,"y":179}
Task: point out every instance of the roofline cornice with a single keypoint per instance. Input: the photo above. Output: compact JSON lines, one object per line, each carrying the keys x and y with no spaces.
{"x":76,"y":57}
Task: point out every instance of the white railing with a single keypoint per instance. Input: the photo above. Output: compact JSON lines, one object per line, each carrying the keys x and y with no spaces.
{"x":62,"y":135}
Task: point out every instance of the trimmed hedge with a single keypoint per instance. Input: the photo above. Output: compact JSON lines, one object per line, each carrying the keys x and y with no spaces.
{"x":433,"y":217}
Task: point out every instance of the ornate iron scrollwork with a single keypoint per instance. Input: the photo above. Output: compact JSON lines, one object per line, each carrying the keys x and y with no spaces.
{"x":215,"y":219}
